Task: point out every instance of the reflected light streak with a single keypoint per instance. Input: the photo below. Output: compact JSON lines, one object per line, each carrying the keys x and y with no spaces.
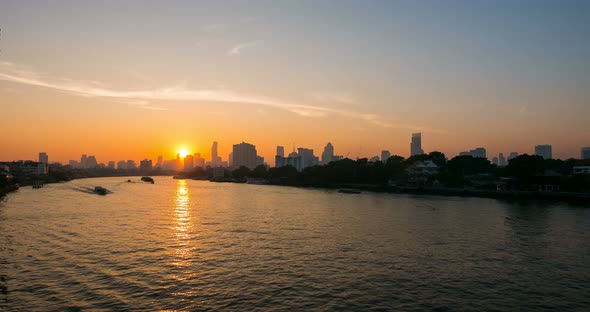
{"x":183,"y":225}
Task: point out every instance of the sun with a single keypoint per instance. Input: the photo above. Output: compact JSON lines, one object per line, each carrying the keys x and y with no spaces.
{"x":183,"y":152}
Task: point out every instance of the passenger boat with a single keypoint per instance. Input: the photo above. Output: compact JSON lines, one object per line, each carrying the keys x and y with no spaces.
{"x":100,"y":190}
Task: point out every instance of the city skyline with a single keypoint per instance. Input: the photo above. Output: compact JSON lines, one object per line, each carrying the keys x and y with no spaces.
{"x":364,"y":77}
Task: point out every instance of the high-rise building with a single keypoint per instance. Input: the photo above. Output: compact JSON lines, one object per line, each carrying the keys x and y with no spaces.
{"x":244,"y":154}
{"x":43,"y":158}
{"x":259,"y":161}
{"x":131,"y":164}
{"x":585,"y":152}
{"x":328,"y":154}
{"x":501,"y":160}
{"x":385,"y":154}
{"x":544,"y":151}
{"x":111,"y":165}
{"x":145,"y":165}
{"x":512,"y":155}
{"x":479,"y":152}
{"x":215,"y":159}
{"x":84,"y":161}
{"x":198,"y":161}
{"x":280,"y":151}
{"x":495,"y":160}
{"x":160,"y":161}
{"x":293,"y":160}
{"x":91,"y":162}
{"x":416,"y":145}
{"x":308,"y":158}
{"x":188,"y":163}
{"x":121,"y":165}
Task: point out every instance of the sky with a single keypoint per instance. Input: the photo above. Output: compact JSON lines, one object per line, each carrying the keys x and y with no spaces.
{"x":138,"y":79}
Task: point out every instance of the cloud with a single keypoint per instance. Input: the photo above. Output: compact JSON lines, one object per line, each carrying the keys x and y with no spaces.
{"x":141,"y":98}
{"x":334,"y":97}
{"x":237,"y":49}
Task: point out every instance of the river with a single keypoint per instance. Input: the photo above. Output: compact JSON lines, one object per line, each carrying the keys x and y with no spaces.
{"x":199,"y":246}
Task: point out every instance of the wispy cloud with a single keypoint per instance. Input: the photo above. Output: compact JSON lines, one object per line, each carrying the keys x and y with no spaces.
{"x":142,"y":98}
{"x":238,"y":48}
{"x":334,"y":97}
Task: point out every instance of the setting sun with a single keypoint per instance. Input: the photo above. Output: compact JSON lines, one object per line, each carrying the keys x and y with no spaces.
{"x":183,"y":152}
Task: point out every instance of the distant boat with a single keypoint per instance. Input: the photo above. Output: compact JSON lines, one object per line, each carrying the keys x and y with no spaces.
{"x":349,"y":191}
{"x":100,"y":190}
{"x":147,"y":179}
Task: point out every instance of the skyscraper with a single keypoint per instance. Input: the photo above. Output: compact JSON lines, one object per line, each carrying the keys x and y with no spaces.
{"x":188,"y":163}
{"x":91,"y":162}
{"x":501,"y":160}
{"x":145,"y":165}
{"x":328,"y":154}
{"x":43,"y":158}
{"x":585,"y":152}
{"x":512,"y":155}
{"x":244,"y":154}
{"x":495,"y":160}
{"x":215,"y":159}
{"x":544,"y":151}
{"x":308,"y":158}
{"x":479,"y":152}
{"x":280,"y":151}
{"x":84,"y":161}
{"x":416,"y":145}
{"x":385,"y":154}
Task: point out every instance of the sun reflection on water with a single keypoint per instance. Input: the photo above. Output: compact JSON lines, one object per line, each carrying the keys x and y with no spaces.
{"x":183,"y":226}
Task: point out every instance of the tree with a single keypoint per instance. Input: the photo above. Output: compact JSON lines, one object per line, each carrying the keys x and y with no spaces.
{"x":242,"y":172}
{"x":524,"y":167}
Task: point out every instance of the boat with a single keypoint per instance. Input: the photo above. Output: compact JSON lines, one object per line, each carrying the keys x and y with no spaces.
{"x":147,"y":179}
{"x":100,"y":190}
{"x":349,"y":191}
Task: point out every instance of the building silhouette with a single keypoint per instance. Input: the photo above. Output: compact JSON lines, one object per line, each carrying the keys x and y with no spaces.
{"x":43,"y":158}
{"x":280,"y":151}
{"x":244,"y":154}
{"x":416,"y":144}
{"x":215,"y":159}
{"x":145,"y":165}
{"x":121,"y":165}
{"x":111,"y":164}
{"x":198,"y":161}
{"x":478,"y":152}
{"x":512,"y":155}
{"x":327,"y":154}
{"x":91,"y":162}
{"x":308,"y":158}
{"x":544,"y":151}
{"x":188,"y":163}
{"x":385,"y":154}
{"x":502,"y":160}
{"x":131,"y":164}
{"x":585,"y":153}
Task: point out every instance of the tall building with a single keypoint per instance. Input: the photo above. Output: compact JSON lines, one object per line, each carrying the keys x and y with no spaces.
{"x":259,"y":161}
{"x":188,"y":163}
{"x":308,"y":158}
{"x":280,"y":151}
{"x":244,"y":154}
{"x":43,"y":158}
{"x":512,"y":155}
{"x":544,"y":151}
{"x":121,"y":165}
{"x":328,"y":154}
{"x":293,"y":160}
{"x":215,"y":159}
{"x":145,"y":165}
{"x":91,"y":162}
{"x":385,"y":154}
{"x":479,"y":152}
{"x":502,"y":160}
{"x":111,"y":165}
{"x":131,"y":164}
{"x":585,"y":152}
{"x":198,"y":161}
{"x":416,"y":145}
{"x":495,"y":161}
{"x":84,"y":161}
{"x":160,"y":161}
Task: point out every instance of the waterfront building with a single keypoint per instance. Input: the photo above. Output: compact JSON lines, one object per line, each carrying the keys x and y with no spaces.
{"x":131,"y":164}
{"x":293,"y":160}
{"x":512,"y":155}
{"x":544,"y":151}
{"x":479,"y":152}
{"x":244,"y":154}
{"x":385,"y":154}
{"x":198,"y":161}
{"x":188,"y":163}
{"x":502,"y":160}
{"x":308,"y":158}
{"x":280,"y":151}
{"x":43,"y":158}
{"x":416,"y":144}
{"x":585,"y":153}
{"x":327,"y":154}
{"x":145,"y":165}
{"x":121,"y":165}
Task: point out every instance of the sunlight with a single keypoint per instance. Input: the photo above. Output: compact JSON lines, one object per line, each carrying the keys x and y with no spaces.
{"x":183,"y":152}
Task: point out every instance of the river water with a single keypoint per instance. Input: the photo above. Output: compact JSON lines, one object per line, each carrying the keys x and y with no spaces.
{"x":200,"y":246}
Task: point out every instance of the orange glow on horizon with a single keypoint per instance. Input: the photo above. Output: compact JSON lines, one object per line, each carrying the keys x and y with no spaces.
{"x":183,"y":152}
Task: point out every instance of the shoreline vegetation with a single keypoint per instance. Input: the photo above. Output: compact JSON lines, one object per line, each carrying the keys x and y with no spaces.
{"x":525,"y":177}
